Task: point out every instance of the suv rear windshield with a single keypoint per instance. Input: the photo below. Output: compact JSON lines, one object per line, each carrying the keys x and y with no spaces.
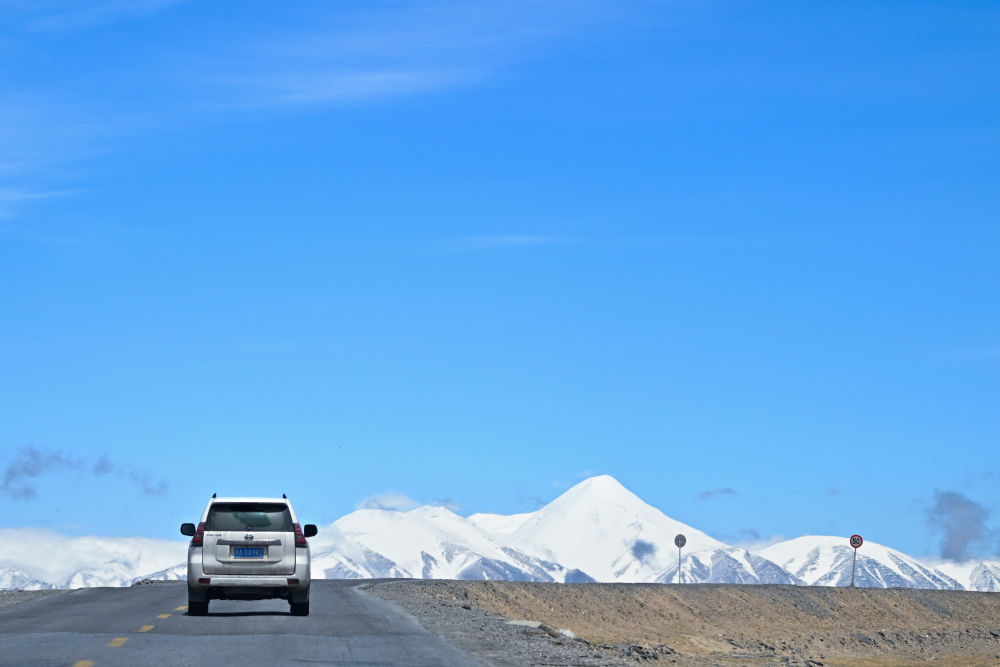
{"x":249,"y":516}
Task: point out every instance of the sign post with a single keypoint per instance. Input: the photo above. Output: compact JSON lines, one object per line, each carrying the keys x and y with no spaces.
{"x":856,"y":542}
{"x":680,"y":541}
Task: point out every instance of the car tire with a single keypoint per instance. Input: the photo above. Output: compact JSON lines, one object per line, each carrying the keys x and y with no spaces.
{"x":299,"y":608}
{"x":197,"y":607}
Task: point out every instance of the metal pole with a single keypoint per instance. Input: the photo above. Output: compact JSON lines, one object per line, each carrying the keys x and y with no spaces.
{"x":853,"y":565}
{"x":679,"y":580}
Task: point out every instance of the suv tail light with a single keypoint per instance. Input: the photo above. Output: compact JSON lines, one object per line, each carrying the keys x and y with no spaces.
{"x":300,"y":539}
{"x":199,"y":535}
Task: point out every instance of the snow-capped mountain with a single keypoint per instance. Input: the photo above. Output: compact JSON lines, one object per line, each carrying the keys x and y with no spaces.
{"x":12,"y":578}
{"x":50,"y":560}
{"x":730,"y":565}
{"x":428,"y":543}
{"x":174,"y":573}
{"x":973,"y":575}
{"x":827,"y":561}
{"x":596,"y":531}
{"x":601,"y":528}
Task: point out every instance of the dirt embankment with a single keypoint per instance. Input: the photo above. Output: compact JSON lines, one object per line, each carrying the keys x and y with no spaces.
{"x":705,"y":624}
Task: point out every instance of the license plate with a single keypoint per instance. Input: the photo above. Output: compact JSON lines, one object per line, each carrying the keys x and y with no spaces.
{"x":248,"y":552}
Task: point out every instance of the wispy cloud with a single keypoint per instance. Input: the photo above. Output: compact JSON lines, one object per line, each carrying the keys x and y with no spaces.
{"x":531,"y":503}
{"x":22,"y":473}
{"x":272,"y":89}
{"x":318,"y":56}
{"x":72,"y":15}
{"x":720,"y":492}
{"x":447,"y":503}
{"x":29,"y":464}
{"x":338,"y":56}
{"x":962,"y":522}
{"x":151,"y":487}
{"x":10,"y":197}
{"x":751,"y":540}
{"x":506,"y":241}
{"x":390,"y":500}
{"x":15,"y":195}
{"x":44,"y":136}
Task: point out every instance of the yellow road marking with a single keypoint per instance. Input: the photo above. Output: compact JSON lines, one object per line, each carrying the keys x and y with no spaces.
{"x":117,"y":641}
{"x":183,"y":607}
{"x":84,"y":663}
{"x":164,"y":616}
{"x":145,"y":628}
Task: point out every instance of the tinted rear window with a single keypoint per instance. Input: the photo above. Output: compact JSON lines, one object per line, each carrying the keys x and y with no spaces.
{"x":249,"y":516}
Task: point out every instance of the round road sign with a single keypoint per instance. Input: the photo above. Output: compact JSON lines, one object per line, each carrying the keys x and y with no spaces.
{"x":856,"y":541}
{"x":680,"y":540}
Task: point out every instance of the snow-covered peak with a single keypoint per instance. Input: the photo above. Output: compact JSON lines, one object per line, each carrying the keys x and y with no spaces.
{"x":605,"y":530}
{"x":597,"y":530}
{"x":730,"y":565}
{"x":604,"y":486}
{"x":599,"y":491}
{"x":824,"y":560}
{"x":19,"y":579}
{"x":973,"y":575}
{"x":424,"y":542}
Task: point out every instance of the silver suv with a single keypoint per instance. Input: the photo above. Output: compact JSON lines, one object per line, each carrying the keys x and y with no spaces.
{"x":248,"y":549}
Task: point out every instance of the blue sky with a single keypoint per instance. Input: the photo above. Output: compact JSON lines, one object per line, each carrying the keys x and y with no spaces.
{"x":743,"y":256}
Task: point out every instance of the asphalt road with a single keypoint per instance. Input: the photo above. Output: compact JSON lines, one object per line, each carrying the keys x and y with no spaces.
{"x":148,"y":625}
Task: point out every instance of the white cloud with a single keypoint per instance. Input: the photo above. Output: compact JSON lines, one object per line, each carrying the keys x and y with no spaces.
{"x":390,"y":500}
{"x":447,"y":503}
{"x":756,"y":543}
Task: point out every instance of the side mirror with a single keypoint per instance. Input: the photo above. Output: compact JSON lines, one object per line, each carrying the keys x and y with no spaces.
{"x":310,"y":530}
{"x":187,"y":529}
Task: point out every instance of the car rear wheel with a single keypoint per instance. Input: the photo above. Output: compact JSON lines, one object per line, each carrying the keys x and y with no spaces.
{"x":300,"y":608}
{"x":197,"y":607}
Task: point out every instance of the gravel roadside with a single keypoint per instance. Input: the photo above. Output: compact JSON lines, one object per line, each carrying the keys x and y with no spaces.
{"x":442,"y":608}
{"x":701,"y":625}
{"x":9,"y":598}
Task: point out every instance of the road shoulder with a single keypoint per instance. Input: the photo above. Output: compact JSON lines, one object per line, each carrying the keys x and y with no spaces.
{"x":9,"y":598}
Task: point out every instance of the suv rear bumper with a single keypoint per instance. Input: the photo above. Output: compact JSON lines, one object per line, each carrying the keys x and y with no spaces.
{"x":293,"y":586}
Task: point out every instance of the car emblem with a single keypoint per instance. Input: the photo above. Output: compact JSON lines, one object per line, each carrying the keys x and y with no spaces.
{"x":248,"y":537}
